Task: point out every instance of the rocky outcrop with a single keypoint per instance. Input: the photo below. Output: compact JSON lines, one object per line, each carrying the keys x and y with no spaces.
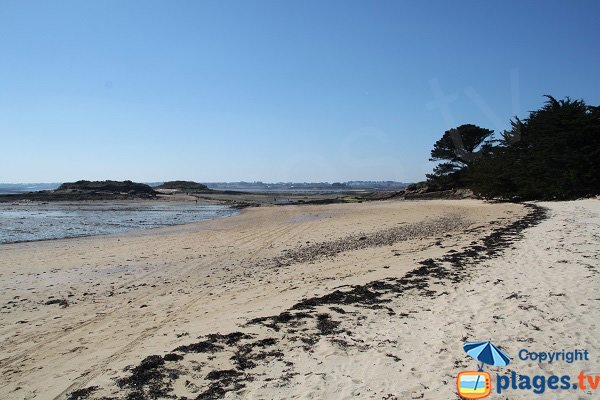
{"x":115,"y":187}
{"x":184,"y":186}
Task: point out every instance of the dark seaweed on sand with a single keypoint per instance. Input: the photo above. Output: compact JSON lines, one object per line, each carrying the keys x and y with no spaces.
{"x":150,"y":379}
{"x":326,"y":325}
{"x":284,"y":318}
{"x":245,"y":356}
{"x":213,"y":343}
{"x":61,"y":302}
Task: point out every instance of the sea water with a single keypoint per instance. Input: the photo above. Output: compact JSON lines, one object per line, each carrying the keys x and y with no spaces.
{"x":22,"y":222}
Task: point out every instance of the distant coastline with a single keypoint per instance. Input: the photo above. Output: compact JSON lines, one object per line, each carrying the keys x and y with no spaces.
{"x":236,"y":194}
{"x":19,"y":188}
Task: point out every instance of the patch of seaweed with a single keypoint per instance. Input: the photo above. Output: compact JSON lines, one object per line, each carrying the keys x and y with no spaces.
{"x":283,"y":318}
{"x":172,"y":357}
{"x":223,"y":381}
{"x":61,"y":302}
{"x":245,"y":355}
{"x":204,"y":346}
{"x":229,"y":339}
{"x":358,"y":295}
{"x":221,"y":375}
{"x":326,"y":325}
{"x":149,"y":380}
{"x":214,"y":342}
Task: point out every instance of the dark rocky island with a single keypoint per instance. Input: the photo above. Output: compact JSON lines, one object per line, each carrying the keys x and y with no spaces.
{"x":114,"y":187}
{"x":88,"y":190}
{"x":184,"y":186}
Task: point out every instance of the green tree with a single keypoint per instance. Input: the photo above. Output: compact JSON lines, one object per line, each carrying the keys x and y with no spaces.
{"x":553,"y":154}
{"x":459,"y":148}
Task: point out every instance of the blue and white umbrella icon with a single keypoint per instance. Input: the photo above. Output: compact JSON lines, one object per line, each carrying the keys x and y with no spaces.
{"x":487,"y":353}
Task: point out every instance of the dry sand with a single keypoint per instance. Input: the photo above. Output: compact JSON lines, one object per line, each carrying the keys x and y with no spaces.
{"x":337,"y":301}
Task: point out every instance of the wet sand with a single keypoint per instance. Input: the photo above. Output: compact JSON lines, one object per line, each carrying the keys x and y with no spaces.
{"x":34,"y":221}
{"x":328,"y":301}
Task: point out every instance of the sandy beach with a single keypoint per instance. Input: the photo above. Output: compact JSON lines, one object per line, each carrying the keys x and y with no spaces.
{"x":371,"y":300}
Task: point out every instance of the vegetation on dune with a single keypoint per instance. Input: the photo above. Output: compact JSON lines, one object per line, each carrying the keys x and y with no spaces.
{"x":552,"y":154}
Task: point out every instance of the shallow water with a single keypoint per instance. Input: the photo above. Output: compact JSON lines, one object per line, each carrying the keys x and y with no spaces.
{"x":38,"y":221}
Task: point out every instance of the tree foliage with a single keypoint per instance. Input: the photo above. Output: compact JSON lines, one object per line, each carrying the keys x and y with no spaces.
{"x":552,"y":154}
{"x":459,"y":148}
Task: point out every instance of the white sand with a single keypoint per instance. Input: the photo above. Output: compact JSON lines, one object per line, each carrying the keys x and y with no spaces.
{"x":149,"y":293}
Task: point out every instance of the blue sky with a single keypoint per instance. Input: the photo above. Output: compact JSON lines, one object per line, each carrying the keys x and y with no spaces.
{"x":273,"y":90}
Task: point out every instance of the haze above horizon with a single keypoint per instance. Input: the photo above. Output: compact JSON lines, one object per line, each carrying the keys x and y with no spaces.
{"x":273,"y":91}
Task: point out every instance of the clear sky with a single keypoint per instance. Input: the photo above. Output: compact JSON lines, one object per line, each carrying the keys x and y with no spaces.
{"x":273,"y":90}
